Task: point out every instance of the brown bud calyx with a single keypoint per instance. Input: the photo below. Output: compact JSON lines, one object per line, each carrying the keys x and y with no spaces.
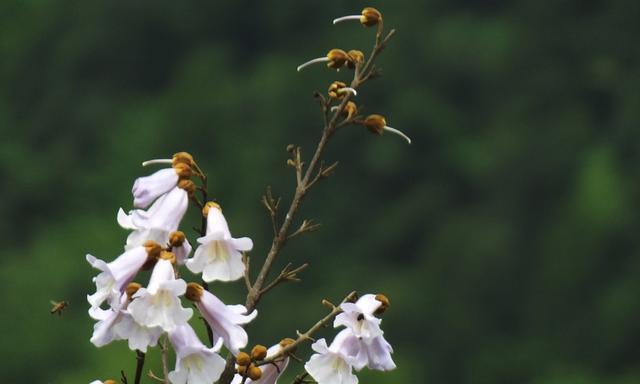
{"x":350,"y":110}
{"x":177,"y":238}
{"x":259,"y":352}
{"x":194,"y":292}
{"x":286,"y":342}
{"x":384,"y":303}
{"x":254,"y":372}
{"x":131,"y":289}
{"x":187,"y":185}
{"x":334,"y":88}
{"x":242,"y":369}
{"x":168,"y":255}
{"x":355,"y":58}
{"x":243,"y":359}
{"x":337,"y":58}
{"x":153,"y":249}
{"x":183,"y":170}
{"x":182,"y":157}
{"x":208,"y":206}
{"x":375,"y":123}
{"x":370,"y":17}
{"x":109,"y":382}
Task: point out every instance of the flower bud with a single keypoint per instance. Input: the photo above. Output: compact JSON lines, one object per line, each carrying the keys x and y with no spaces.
{"x":355,"y":57}
{"x":337,"y":58}
{"x":208,"y":206}
{"x":167,"y":255}
{"x":187,"y":185}
{"x":259,"y":352}
{"x":109,"y":382}
{"x":334,"y":88}
{"x":243,"y":359}
{"x":194,"y":292}
{"x":384,"y":303}
{"x":153,"y":249}
{"x":242,"y":369}
{"x":254,"y":372}
{"x":370,"y":17}
{"x":350,"y":110}
{"x":182,"y":157}
{"x":131,"y":289}
{"x":375,"y":123}
{"x":286,"y":342}
{"x":176,"y":238}
{"x":183,"y":170}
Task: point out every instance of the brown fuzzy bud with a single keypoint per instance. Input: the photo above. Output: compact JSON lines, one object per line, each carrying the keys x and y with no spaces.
{"x":334,"y":88}
{"x":243,"y":359}
{"x":375,"y":123}
{"x":187,"y":185}
{"x":384,"y":303}
{"x":183,"y":170}
{"x":153,"y":249}
{"x":208,"y":206}
{"x":167,"y":255}
{"x":370,"y":17}
{"x":350,"y":110}
{"x":355,"y":57}
{"x":131,"y":289}
{"x":337,"y":58}
{"x":182,"y":157}
{"x":254,"y":372}
{"x":177,"y":238}
{"x":286,"y":342}
{"x":109,"y":382}
{"x":259,"y":352}
{"x":194,"y":292}
{"x":242,"y":369}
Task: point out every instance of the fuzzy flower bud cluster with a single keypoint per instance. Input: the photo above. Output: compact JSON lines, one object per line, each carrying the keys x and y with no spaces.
{"x":126,"y":310}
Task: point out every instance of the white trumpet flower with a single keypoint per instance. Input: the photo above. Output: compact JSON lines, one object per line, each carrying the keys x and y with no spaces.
{"x":195,"y":363}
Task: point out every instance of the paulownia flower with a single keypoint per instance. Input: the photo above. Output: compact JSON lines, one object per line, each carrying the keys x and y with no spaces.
{"x":218,"y":256}
{"x":115,"y":276}
{"x":330,"y":365}
{"x":158,"y":305}
{"x":148,"y":188}
{"x":225,"y":320}
{"x":195,"y":363}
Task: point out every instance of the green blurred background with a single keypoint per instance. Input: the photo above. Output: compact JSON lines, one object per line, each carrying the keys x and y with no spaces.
{"x":506,"y":236}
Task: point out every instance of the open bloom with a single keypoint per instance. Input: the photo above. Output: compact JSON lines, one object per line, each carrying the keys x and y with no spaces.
{"x":359,"y":317}
{"x":225,"y":320}
{"x":218,"y":256}
{"x":195,"y":363}
{"x":115,"y":276}
{"x":148,"y":188}
{"x":374,"y":353}
{"x":330,"y":365}
{"x":158,"y":305}
{"x":103,"y":330}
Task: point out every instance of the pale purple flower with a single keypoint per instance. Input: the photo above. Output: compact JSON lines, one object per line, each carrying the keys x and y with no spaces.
{"x":359,"y":317}
{"x":219,"y":255}
{"x":158,"y":305}
{"x":329,"y":365}
{"x":148,"y":188}
{"x":103,"y":330}
{"x":195,"y":363}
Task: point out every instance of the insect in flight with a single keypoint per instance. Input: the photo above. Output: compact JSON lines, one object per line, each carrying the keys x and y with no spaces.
{"x":58,"y":306}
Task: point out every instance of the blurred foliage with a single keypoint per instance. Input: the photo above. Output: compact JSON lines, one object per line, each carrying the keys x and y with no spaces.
{"x":506,"y":236}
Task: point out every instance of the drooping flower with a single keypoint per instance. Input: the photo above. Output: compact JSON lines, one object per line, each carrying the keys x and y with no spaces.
{"x":330,"y":365}
{"x":218,"y":256}
{"x":103,"y":330}
{"x":159,"y":305}
{"x":115,"y":276}
{"x":374,"y":353}
{"x":139,"y":337}
{"x":195,"y":363}
{"x":359,"y":317}
{"x":148,"y":188}
{"x":225,"y":320}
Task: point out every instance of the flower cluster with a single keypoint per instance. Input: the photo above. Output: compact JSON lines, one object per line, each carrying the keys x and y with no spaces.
{"x":125,"y":310}
{"x":153,"y":314}
{"x":361,"y":344}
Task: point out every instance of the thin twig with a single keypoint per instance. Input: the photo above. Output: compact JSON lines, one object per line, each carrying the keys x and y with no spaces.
{"x":285,"y":275}
{"x":163,"y":357}
{"x":302,"y":337}
{"x":246,"y":261}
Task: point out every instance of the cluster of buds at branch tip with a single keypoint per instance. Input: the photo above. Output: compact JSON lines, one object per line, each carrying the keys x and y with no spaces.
{"x":368,"y":17}
{"x":377,"y":124}
{"x":246,"y":366}
{"x":338,"y":89}
{"x":336,"y":59}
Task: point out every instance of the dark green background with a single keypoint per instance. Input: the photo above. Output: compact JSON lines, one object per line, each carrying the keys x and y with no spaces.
{"x":506,"y":236}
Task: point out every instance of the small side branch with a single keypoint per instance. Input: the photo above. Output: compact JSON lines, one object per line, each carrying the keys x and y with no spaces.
{"x":302,"y":337}
{"x":306,"y":226}
{"x":287,"y":274}
{"x":271,"y":205}
{"x":246,"y":260}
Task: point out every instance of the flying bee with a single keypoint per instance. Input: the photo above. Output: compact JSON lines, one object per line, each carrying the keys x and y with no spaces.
{"x":58,"y":306}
